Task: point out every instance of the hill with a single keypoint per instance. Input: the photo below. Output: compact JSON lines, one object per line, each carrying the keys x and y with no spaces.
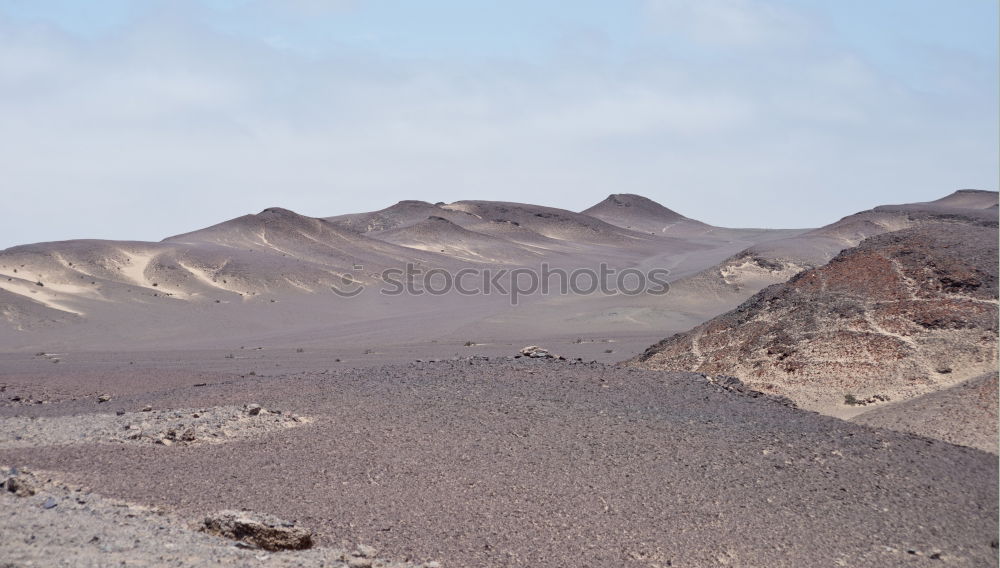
{"x":901,"y":315}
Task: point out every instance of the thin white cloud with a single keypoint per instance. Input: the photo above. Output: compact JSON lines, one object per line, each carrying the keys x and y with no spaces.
{"x":168,"y":126}
{"x":741,"y":23}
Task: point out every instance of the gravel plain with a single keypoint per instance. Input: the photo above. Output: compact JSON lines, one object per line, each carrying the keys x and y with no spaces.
{"x":504,"y":462}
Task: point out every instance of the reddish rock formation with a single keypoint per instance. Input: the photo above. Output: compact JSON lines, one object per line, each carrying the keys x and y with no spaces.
{"x":902,"y":314}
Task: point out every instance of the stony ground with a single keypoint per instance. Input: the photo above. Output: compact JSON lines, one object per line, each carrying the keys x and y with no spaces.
{"x":50,"y":523}
{"x":496,"y":462}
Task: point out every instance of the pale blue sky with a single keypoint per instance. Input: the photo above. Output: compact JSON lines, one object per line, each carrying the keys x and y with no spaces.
{"x":141,"y":119}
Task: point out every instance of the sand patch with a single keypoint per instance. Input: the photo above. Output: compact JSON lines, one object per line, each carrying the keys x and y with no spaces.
{"x":162,"y":427}
{"x":40,"y":294}
{"x":134,"y":268}
{"x":206,"y":278}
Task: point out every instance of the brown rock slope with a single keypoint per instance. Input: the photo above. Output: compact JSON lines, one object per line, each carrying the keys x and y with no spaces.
{"x":772,"y":261}
{"x":901,"y":315}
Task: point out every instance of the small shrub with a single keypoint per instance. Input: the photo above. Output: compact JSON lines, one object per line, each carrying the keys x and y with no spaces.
{"x":850,"y":399}
{"x":470,"y":343}
{"x":300,"y":350}
{"x":230,"y":356}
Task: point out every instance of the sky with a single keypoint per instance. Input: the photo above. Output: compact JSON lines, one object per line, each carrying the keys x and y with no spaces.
{"x":141,"y":119}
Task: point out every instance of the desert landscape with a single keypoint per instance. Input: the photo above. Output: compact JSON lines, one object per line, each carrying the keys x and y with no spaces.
{"x":249,"y":394}
{"x":519,"y":284}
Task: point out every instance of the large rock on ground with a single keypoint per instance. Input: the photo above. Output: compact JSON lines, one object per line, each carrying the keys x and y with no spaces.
{"x":536,"y":352}
{"x":262,"y":531}
{"x":12,"y":482}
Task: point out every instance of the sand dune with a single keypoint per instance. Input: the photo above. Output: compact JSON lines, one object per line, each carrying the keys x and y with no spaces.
{"x":558,"y":224}
{"x":274,"y":274}
{"x":402,"y":214}
{"x":968,"y":199}
{"x":438,"y":234}
{"x":638,"y":213}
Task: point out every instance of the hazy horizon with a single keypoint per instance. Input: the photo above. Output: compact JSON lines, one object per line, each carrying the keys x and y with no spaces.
{"x":141,"y":120}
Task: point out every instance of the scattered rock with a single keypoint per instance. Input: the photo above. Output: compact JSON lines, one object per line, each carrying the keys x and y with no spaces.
{"x":104,"y":398}
{"x":263,"y":531}
{"x":851,"y":400}
{"x":147,"y":408}
{"x":365,"y":551}
{"x":50,"y":503}
{"x":19,"y":486}
{"x":735,"y":385}
{"x":253,"y":409}
{"x":536,"y":352}
{"x":180,"y":427}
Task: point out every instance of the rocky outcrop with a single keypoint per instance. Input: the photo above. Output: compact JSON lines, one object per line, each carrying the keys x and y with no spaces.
{"x":776,"y":260}
{"x":536,"y":352}
{"x":901,"y":315}
{"x":12,"y":482}
{"x":261,"y":531}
